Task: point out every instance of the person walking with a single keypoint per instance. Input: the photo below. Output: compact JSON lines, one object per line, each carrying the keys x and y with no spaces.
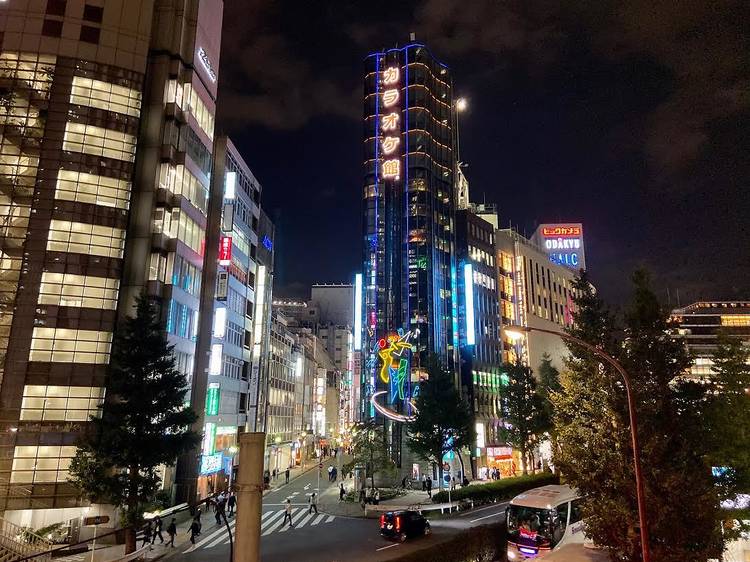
{"x":157,"y":531}
{"x":330,"y":473}
{"x":195,"y":528}
{"x":231,"y":503}
{"x":342,"y":492}
{"x":424,"y":482}
{"x":146,"y":534}
{"x":313,"y":503}
{"x":219,"y":511}
{"x":172,"y":532}
{"x":429,"y":487}
{"x":287,"y":513}
{"x":286,"y":476}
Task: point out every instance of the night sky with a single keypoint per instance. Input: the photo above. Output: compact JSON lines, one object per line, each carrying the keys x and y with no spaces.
{"x":630,"y":117}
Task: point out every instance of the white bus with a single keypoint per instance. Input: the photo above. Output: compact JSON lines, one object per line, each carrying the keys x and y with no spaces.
{"x":542,"y":520}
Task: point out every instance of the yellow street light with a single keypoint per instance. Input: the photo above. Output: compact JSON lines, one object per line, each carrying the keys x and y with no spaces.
{"x":461,"y":104}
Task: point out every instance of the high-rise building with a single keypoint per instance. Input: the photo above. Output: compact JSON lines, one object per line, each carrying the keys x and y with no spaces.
{"x":85,"y":224}
{"x":533,"y":292}
{"x":334,"y":302}
{"x":479,"y":329}
{"x":700,"y":324}
{"x":239,"y":309}
{"x":409,"y":266}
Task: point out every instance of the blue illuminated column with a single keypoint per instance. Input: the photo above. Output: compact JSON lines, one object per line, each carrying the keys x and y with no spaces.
{"x":469,"y":290}
{"x":358,"y":312}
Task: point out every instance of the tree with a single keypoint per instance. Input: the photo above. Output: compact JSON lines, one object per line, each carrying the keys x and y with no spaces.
{"x":549,"y":382}
{"x":443,"y":420}
{"x":144,"y":422}
{"x":595,"y":454}
{"x":523,"y":411}
{"x":369,"y":449}
{"x":727,"y":415}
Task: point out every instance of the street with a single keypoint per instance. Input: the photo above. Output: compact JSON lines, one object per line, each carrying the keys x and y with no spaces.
{"x":324,"y":537}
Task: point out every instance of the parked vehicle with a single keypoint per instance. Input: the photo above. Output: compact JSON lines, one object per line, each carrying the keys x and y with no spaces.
{"x":401,"y":525}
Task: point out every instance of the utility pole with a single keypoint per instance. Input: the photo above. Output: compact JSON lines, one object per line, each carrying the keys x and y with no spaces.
{"x":249,"y":497}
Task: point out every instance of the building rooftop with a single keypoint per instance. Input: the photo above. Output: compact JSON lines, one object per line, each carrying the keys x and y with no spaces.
{"x":714,"y":307}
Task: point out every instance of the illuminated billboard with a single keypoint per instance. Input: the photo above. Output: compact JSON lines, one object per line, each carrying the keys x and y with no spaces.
{"x":563,"y":243}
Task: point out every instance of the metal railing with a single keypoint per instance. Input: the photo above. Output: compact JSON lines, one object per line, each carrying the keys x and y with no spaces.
{"x":20,"y":542}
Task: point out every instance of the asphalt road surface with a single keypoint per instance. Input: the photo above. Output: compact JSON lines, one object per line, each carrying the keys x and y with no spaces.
{"x":324,"y":537}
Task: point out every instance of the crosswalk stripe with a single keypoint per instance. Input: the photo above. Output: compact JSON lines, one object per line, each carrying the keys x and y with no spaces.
{"x":306,"y":520}
{"x":209,"y":537}
{"x":267,"y":522}
{"x":266,"y":514}
{"x":318,"y":519}
{"x":278,"y":523}
{"x":221,"y":539}
{"x":330,"y":518}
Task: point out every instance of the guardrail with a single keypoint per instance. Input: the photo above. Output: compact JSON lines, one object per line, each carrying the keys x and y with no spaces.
{"x":415,"y":507}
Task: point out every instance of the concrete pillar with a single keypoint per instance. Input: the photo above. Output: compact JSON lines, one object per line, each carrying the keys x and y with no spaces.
{"x":249,"y":487}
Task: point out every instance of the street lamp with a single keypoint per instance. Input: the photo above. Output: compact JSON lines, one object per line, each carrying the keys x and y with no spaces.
{"x":516,"y":332}
{"x":461,"y":104}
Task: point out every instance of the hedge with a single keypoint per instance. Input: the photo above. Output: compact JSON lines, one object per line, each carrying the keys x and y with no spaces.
{"x":485,"y":543}
{"x":500,"y":490}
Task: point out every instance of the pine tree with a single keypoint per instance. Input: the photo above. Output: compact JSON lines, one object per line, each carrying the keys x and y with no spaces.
{"x":523,"y":412}
{"x":549,"y":382}
{"x":443,"y":420}
{"x":144,"y":422}
{"x":369,"y":449}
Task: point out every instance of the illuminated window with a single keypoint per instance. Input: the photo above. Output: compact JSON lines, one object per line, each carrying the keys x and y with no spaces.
{"x":90,"y":188}
{"x":63,"y":345}
{"x":67,"y":289}
{"x":110,"y":97}
{"x":176,"y":224}
{"x":41,"y":464}
{"x":99,"y":141}
{"x":84,"y":238}
{"x":202,"y":114}
{"x":735,"y":320}
{"x":60,"y":403}
{"x":179,"y":180}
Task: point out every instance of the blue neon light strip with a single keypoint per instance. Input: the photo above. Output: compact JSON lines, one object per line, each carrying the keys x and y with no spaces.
{"x":358,"y":311}
{"x":469,"y":290}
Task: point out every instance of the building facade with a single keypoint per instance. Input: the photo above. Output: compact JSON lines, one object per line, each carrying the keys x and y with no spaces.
{"x":533,"y":292}
{"x":232,"y":369}
{"x":87,"y":224}
{"x":479,"y":328}
{"x":700,"y":324}
{"x":409,"y":265}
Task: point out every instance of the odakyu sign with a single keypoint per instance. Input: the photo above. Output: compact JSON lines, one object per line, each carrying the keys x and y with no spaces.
{"x":563,"y":243}
{"x":395,"y":352}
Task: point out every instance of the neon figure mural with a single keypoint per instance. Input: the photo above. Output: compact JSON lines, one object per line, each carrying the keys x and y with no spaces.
{"x":395,"y":353}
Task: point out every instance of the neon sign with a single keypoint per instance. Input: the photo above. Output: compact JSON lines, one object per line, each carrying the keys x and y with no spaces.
{"x":554,"y":231}
{"x":563,"y":243}
{"x":395,"y":352}
{"x":390,"y":122}
{"x":225,"y":250}
{"x":206,"y":62}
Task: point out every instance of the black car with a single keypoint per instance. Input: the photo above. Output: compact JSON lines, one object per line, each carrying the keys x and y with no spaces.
{"x":403,"y":524}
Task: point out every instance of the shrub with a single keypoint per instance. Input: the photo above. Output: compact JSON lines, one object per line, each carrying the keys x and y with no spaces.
{"x":499,"y":490}
{"x":477,"y":544}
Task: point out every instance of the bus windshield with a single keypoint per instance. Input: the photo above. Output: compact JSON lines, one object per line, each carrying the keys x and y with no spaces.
{"x":530,"y":526}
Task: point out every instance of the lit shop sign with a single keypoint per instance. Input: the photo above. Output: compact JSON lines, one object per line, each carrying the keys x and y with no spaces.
{"x":212,"y":399}
{"x":389,"y":123}
{"x":563,"y":243}
{"x":225,"y":250}
{"x":211,"y":463}
{"x":267,"y":243}
{"x":206,"y":62}
{"x":209,"y":439}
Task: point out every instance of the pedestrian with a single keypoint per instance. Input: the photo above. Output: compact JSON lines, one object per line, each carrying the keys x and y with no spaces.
{"x":377,"y":497}
{"x":330,"y":473}
{"x":219,"y":510}
{"x":362,"y":497}
{"x":147,"y":534}
{"x":287,"y":513}
{"x":195,"y":528}
{"x":231,"y":502}
{"x":424,"y":482}
{"x":342,"y":492}
{"x":453,"y":484}
{"x":335,"y":474}
{"x":286,"y":475}
{"x":157,"y":531}
{"x":429,"y":487}
{"x":313,"y":503}
{"x":172,"y":531}
{"x":403,"y":482}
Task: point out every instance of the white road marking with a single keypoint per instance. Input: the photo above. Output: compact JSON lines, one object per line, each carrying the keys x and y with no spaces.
{"x":267,"y":522}
{"x":306,"y":520}
{"x":330,"y":518}
{"x":384,"y":547}
{"x":211,"y":536}
{"x":318,"y":519}
{"x":473,"y":511}
{"x":279,"y":522}
{"x":487,"y":516}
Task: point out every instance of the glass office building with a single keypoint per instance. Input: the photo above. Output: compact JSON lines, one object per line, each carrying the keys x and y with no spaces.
{"x":409,"y":269}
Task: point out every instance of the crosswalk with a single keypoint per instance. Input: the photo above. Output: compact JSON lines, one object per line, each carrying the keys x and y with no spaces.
{"x":271,"y":522}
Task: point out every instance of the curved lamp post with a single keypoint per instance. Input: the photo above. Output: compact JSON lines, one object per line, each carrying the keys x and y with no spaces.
{"x":516,"y":332}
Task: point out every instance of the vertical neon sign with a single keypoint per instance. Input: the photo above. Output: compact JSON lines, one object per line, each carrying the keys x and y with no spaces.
{"x":358,"y":311}
{"x":469,"y":290}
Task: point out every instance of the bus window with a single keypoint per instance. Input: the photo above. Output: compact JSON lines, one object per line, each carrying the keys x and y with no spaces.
{"x":529,"y":526}
{"x":559,"y":522}
{"x":575,"y":511}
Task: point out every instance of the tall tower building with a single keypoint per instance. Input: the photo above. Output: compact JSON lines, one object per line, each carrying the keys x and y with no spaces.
{"x":409,"y":205}
{"x":106,"y":134}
